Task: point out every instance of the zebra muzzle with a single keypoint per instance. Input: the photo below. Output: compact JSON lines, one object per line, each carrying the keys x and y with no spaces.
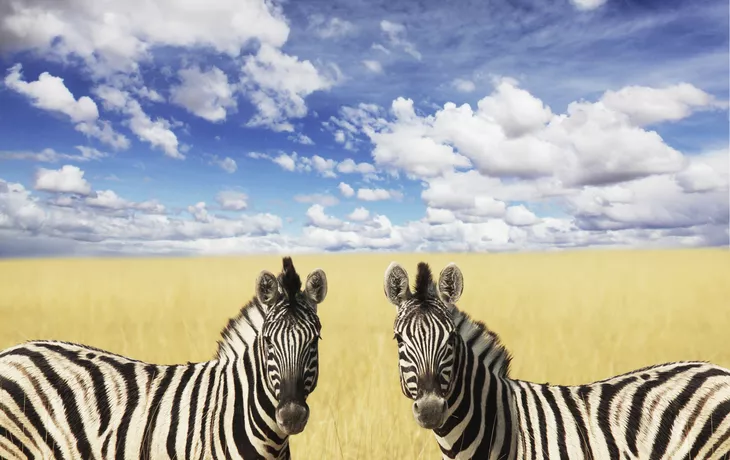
{"x":292,"y":417}
{"x":430,"y":411}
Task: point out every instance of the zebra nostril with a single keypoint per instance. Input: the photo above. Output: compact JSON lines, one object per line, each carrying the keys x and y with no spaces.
{"x":415,"y":405}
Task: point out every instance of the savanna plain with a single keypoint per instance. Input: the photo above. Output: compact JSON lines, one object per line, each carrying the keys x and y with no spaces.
{"x":566,"y":317}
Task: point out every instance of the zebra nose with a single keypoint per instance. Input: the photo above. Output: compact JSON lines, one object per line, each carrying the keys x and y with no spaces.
{"x":430,"y":411}
{"x":292,"y":417}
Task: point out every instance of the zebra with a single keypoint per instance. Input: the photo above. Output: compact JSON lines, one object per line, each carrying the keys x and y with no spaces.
{"x":456,"y":371}
{"x":69,"y":401}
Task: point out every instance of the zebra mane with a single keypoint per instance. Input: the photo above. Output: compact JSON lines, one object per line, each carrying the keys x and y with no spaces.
{"x":289,"y":280}
{"x":424,"y":283}
{"x":242,"y":328}
{"x":479,"y":338}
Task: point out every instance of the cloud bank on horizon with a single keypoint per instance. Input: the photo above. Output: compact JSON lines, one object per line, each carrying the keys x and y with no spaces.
{"x":230,"y":127}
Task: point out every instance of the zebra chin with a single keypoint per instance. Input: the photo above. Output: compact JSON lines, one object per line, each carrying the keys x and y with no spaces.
{"x":430,"y":411}
{"x":292,"y":417}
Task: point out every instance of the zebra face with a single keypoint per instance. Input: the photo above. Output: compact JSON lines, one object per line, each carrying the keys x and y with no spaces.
{"x":289,"y":342}
{"x":427,"y":338}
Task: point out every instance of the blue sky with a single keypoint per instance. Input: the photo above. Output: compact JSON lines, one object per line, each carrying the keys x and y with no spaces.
{"x":225,"y":127}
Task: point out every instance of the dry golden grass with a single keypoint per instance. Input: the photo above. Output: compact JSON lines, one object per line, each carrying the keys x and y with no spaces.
{"x":566,"y":317}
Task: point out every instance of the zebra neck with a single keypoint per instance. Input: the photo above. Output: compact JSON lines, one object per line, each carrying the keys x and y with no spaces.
{"x":481,"y":420}
{"x":241,"y":360}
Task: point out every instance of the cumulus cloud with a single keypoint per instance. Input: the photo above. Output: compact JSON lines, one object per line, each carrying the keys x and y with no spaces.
{"x":705,"y":173}
{"x":112,"y":42}
{"x":359,"y":214}
{"x":157,"y":133}
{"x":325,"y":167}
{"x":645,"y":106}
{"x":227,"y":164}
{"x":51,"y":94}
{"x":277,"y":84}
{"x":318,"y":218}
{"x":346,"y":190}
{"x":520,"y":216}
{"x":513,"y":134}
{"x":232,"y":201}
{"x":652,"y":211}
{"x":108,"y":199}
{"x":67,"y":179}
{"x":300,"y":138}
{"x":378,"y":194}
{"x":118,"y":36}
{"x":206,"y":94}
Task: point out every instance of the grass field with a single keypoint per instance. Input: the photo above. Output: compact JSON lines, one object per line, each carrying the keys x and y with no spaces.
{"x":566,"y":317}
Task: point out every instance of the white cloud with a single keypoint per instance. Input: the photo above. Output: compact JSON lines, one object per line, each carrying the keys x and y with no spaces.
{"x":587,"y":5}
{"x":396,"y":34}
{"x":300,"y":138}
{"x":377,"y":194}
{"x":346,"y":190}
{"x":157,"y":132}
{"x":49,"y":155}
{"x":512,"y":134}
{"x":652,"y":211}
{"x":439,"y":216}
{"x":359,"y":214}
{"x":108,"y":199}
{"x":705,"y":173}
{"x":227,"y":164}
{"x":464,"y":86}
{"x":102,"y":130}
{"x":520,"y":216}
{"x":325,"y":167}
{"x":646,"y":106}
{"x":277,"y":85}
{"x":333,"y":27}
{"x":50,"y":93}
{"x":406,"y":145}
{"x":67,"y":179}
{"x":116,"y":37}
{"x":348,"y":166}
{"x":323,"y":199}
{"x":287,"y":162}
{"x":114,"y":41}
{"x":232,"y":201}
{"x":206,"y":94}
{"x":373,"y":66}
{"x":318,"y":218}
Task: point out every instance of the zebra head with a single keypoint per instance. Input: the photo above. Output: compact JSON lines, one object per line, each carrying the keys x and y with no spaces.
{"x":289,"y":340}
{"x":427,"y":337}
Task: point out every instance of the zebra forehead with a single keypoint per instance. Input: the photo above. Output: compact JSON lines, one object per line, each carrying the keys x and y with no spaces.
{"x":435,"y":316}
{"x":285,"y":319}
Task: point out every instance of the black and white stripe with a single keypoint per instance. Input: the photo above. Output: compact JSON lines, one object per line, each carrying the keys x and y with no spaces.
{"x":457,"y":373}
{"x":67,"y":401}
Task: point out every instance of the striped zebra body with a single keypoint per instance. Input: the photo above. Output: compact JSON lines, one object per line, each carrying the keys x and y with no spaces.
{"x":69,"y":401}
{"x":457,"y":373}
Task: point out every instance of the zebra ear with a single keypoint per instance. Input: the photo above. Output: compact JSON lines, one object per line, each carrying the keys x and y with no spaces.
{"x":316,"y":286}
{"x":395,"y":284}
{"x":267,"y":288}
{"x":451,"y":283}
